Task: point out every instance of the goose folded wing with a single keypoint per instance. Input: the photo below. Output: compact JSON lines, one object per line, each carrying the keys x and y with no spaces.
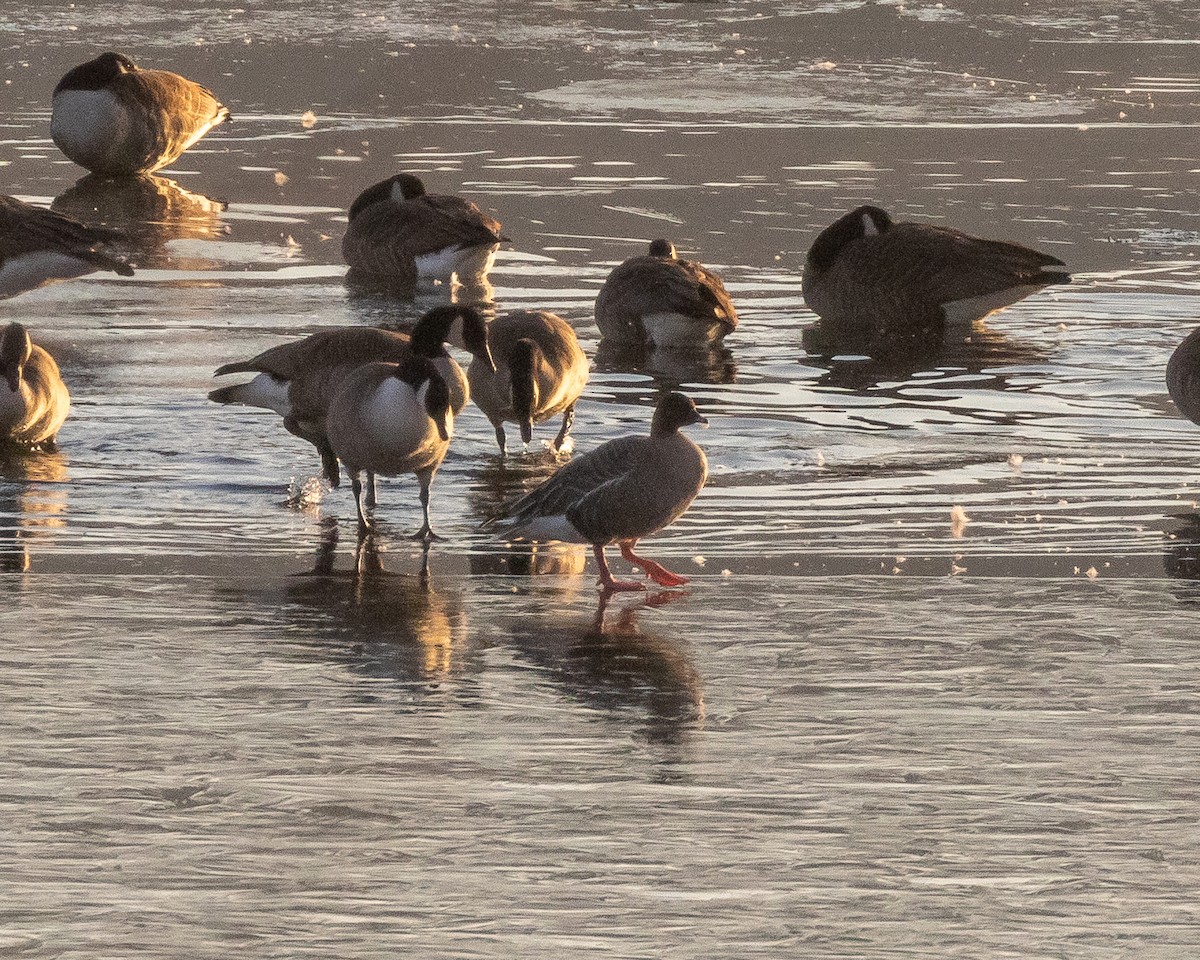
{"x":352,"y":345}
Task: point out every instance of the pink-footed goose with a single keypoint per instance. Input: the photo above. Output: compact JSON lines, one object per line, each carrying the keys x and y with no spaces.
{"x":663,"y":301}
{"x":399,"y":231}
{"x":540,"y":371}
{"x":622,"y":491}
{"x":34,"y":401}
{"x":116,"y":119}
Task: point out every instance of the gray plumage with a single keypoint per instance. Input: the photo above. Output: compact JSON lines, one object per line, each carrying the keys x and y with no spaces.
{"x":1183,"y":376}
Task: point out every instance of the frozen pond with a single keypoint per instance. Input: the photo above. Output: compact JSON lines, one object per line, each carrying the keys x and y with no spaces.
{"x":864,"y":732}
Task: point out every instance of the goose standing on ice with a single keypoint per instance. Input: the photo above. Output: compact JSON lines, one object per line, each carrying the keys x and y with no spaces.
{"x":875,"y":282}
{"x":392,"y":418}
{"x":399,"y":231}
{"x":299,"y":380}
{"x":34,"y":401}
{"x":662,"y":301}
{"x":622,"y":491}
{"x":39,"y":246}
{"x":540,"y":371}
{"x":116,"y":119}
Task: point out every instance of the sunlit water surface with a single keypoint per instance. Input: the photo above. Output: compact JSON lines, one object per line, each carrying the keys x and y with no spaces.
{"x":867,"y":730}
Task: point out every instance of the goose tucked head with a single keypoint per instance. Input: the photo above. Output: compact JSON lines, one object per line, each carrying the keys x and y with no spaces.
{"x":864,"y":221}
{"x":15,"y":350}
{"x":403,"y":186}
{"x":522,"y":366}
{"x":663,"y":248}
{"x":675,"y":410}
{"x":435,"y":327}
{"x":96,"y":74}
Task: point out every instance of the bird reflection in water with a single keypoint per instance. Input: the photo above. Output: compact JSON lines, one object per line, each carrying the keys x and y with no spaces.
{"x":669,"y":369}
{"x":400,"y":624}
{"x":611,"y":664}
{"x":376,"y":298}
{"x":982,"y":350}
{"x":33,"y":502}
{"x":153,"y":211}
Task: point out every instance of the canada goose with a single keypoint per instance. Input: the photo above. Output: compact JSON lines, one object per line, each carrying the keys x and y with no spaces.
{"x":663,"y":301}
{"x":873,"y":281}
{"x":39,"y":246}
{"x":540,"y":372}
{"x":114,"y":118}
{"x":298,"y":380}
{"x":392,"y":418}
{"x":623,"y":490}
{"x":1183,"y":376}
{"x":398,"y":230}
{"x":34,"y":401}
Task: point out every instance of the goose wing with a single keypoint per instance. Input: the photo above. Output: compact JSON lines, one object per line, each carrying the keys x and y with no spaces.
{"x":26,"y":229}
{"x":180,"y":110}
{"x":329,"y":348}
{"x":609,"y":464}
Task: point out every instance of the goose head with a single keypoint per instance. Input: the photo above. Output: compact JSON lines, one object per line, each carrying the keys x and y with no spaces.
{"x":15,"y":350}
{"x":403,"y":186}
{"x":675,"y":410}
{"x":434,"y":329}
{"x":663,"y":248}
{"x":97,"y":73}
{"x":522,"y":366}
{"x":864,"y":221}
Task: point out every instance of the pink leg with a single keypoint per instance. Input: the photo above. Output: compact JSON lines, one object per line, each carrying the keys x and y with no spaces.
{"x":655,"y":571}
{"x":607,"y":583}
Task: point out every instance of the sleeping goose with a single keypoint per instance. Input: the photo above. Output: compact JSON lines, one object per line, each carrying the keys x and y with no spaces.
{"x":873,"y":281}
{"x":399,"y":231}
{"x":298,"y":380}
{"x":623,"y":490}
{"x":392,"y":418}
{"x":116,"y":119}
{"x":540,"y":371}
{"x":1183,"y":376}
{"x":39,"y":246}
{"x":660,"y":300}
{"x":33,"y":398}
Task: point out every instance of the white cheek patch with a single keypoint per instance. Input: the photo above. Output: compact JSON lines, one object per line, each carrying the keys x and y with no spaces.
{"x":869,"y":228}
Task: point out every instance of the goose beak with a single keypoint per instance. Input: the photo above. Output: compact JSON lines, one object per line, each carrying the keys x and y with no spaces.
{"x":443,"y":428}
{"x":527,"y":430}
{"x":703,"y":421}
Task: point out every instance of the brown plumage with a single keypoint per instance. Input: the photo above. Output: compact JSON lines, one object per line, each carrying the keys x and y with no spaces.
{"x":114,"y":118}
{"x":38,"y":246}
{"x":622,"y":491}
{"x":298,"y":380}
{"x":540,"y":371}
{"x":874,"y":282}
{"x":34,"y":401}
{"x":399,"y":231}
{"x":663,"y":301}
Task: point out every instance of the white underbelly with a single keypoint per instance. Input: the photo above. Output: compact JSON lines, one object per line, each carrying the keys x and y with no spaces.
{"x":548,"y":529}
{"x":456,"y":261}
{"x":31,"y":270}
{"x":89,"y":126}
{"x":676,"y":330}
{"x":963,"y":313}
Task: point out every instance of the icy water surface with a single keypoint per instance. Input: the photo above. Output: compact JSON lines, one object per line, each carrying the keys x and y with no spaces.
{"x":865,"y":731}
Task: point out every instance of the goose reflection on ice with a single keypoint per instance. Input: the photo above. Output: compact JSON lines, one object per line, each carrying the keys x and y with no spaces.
{"x":400,"y":625}
{"x":368,"y":293}
{"x":609,"y":663}
{"x":669,"y":369}
{"x":983,"y":349}
{"x":33,"y":501}
{"x":152,"y":210}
